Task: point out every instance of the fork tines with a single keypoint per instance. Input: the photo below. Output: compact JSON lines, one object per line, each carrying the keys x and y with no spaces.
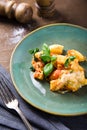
{"x":9,"y":99}
{"x":5,"y":92}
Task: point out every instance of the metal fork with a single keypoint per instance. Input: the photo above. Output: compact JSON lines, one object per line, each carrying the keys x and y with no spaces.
{"x":11,"y":102}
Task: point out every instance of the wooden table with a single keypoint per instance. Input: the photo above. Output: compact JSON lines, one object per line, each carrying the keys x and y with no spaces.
{"x":11,"y":32}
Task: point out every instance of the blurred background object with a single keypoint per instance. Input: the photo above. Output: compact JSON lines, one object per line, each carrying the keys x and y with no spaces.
{"x":22,"y":12}
{"x":46,"y":8}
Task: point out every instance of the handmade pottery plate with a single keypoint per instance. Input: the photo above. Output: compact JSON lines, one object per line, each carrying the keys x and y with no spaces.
{"x":37,"y":93}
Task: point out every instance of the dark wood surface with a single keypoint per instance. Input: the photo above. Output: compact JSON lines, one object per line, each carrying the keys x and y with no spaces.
{"x":11,"y":32}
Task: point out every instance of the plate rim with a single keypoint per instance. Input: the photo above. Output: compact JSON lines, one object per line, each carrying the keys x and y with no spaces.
{"x":30,"y":33}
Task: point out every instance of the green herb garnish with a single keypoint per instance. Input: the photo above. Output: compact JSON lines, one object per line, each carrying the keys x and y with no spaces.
{"x":53,"y":58}
{"x":33,"y":51}
{"x":32,"y":68}
{"x":46,"y":49}
{"x":68,"y":60}
{"x":46,"y":53}
{"x":46,"y":57}
{"x":48,"y":68}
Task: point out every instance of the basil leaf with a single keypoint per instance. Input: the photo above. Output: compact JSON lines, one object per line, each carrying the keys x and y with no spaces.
{"x":46,"y":49}
{"x":32,"y":68}
{"x":72,"y":58}
{"x":33,"y":51}
{"x":48,"y":68}
{"x":53,"y":58}
{"x":67,"y":62}
{"x":45,"y":58}
{"x":36,"y":50}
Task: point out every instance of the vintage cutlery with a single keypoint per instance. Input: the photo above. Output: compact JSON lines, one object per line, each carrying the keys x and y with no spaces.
{"x":11,"y":102}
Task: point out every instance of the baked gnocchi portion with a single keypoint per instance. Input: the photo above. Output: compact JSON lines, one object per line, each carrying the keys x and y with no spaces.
{"x":62,"y":71}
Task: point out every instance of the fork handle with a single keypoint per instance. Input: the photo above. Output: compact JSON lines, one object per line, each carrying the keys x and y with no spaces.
{"x":27,"y":124}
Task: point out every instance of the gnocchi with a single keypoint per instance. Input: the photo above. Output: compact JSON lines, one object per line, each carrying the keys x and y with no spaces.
{"x":63,"y":72}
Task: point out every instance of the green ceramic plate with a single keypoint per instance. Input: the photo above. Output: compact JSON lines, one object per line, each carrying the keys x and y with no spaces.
{"x":37,"y":93}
